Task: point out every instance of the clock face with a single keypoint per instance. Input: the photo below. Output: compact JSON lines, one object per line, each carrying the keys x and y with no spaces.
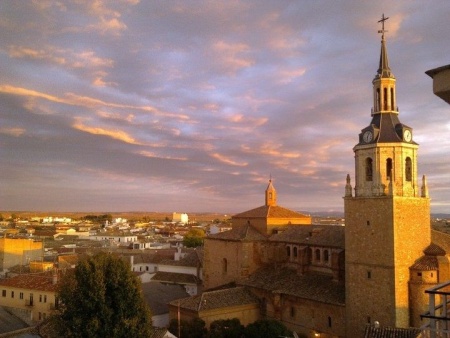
{"x":367,"y":137}
{"x":407,"y":136}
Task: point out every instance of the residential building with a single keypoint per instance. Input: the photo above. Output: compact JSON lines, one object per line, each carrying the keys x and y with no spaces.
{"x":441,"y":82}
{"x":19,"y":251}
{"x":180,"y":218}
{"x":31,"y":297}
{"x":158,"y":296}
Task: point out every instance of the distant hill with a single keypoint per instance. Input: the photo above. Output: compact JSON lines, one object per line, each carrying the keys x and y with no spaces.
{"x":440,"y":215}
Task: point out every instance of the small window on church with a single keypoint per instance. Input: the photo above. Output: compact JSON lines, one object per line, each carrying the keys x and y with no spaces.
{"x":369,"y":170}
{"x":224,"y":266}
{"x":292,"y":312}
{"x":295,"y":251}
{"x":419,"y":274}
{"x":326,"y":256}
{"x":368,"y":222}
{"x":288,"y":250}
{"x":369,"y":274}
{"x":392,"y":99}
{"x":329,"y":322}
{"x":317,"y":254}
{"x":408,"y":169}
{"x":388,"y":168}
{"x":385,"y":98}
{"x":263,"y":306}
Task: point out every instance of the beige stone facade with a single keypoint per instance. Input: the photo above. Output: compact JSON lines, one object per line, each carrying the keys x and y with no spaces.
{"x":230,"y":259}
{"x":384,"y":237}
{"x":30,"y":296}
{"x":19,"y":251}
{"x":215,"y":305}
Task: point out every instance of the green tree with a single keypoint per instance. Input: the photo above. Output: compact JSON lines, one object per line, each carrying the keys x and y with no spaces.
{"x":189,"y":329}
{"x":194,"y":238}
{"x":266,"y":328}
{"x":226,"y":328}
{"x":101,"y":297}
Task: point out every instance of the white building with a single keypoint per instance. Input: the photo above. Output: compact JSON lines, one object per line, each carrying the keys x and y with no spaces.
{"x":182,"y":218}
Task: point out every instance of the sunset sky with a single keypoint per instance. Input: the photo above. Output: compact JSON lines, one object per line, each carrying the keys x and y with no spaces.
{"x":191,"y":106}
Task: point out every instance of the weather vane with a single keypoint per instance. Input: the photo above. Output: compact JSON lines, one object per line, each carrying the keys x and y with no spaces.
{"x":383,"y":19}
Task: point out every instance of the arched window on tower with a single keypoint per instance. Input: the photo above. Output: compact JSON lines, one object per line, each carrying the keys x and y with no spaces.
{"x":224,"y":266}
{"x":385,"y":101}
{"x":388,"y":168}
{"x":288,"y":251}
{"x":369,"y":169}
{"x":295,"y":252}
{"x":326,"y":256}
{"x":378,"y":100}
{"x":408,"y":169}
{"x":392,"y":99}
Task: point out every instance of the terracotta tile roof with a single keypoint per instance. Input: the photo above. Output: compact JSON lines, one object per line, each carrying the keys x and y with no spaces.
{"x":218,"y":299}
{"x":154,"y":257}
{"x":434,"y":250}
{"x":32,"y":281}
{"x":270,"y":211}
{"x":68,"y":260}
{"x":426,"y":263}
{"x":177,"y":278}
{"x":429,"y":261}
{"x":390,"y":332}
{"x":240,"y":233}
{"x":441,"y":238}
{"x":192,"y":259}
{"x":286,"y":281}
{"x":312,"y":235}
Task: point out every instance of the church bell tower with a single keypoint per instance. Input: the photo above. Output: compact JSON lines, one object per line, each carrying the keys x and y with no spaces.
{"x":387,"y":215}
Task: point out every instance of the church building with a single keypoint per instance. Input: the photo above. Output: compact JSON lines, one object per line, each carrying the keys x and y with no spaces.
{"x":343,"y":281}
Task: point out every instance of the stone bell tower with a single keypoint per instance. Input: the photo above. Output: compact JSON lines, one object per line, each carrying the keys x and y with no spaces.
{"x":387,"y":216}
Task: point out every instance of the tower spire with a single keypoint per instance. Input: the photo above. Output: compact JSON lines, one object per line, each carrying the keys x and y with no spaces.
{"x":271,"y":194}
{"x":383,"y":68}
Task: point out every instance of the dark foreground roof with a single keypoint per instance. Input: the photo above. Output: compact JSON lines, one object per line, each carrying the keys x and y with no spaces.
{"x":315,"y":235}
{"x":218,"y":299}
{"x":311,"y":286}
{"x":175,"y":278}
{"x":390,"y":332}
{"x":244,"y":232}
{"x":158,"y":295}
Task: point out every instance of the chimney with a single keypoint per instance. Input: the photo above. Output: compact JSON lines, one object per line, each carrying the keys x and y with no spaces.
{"x":55,"y":277}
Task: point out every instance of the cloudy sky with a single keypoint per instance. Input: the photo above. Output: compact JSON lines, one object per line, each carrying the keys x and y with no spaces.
{"x":191,"y":106}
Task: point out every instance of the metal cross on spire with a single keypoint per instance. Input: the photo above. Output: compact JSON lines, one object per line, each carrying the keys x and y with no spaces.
{"x":383,"y":19}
